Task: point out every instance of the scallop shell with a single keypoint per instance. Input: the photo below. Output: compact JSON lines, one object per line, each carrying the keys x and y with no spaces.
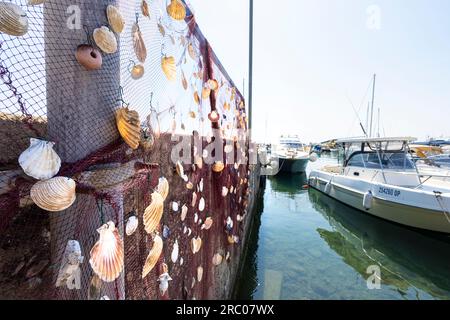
{"x":40,"y":161}
{"x":208,"y":223}
{"x":153,"y":213}
{"x":163,"y":187}
{"x":137,"y":72}
{"x":13,"y":20}
{"x":218,"y":166}
{"x":184,"y":210}
{"x":128,"y":124}
{"x":107,"y":255}
{"x":176,"y":10}
{"x":194,"y":199}
{"x":196,"y":244}
{"x":138,"y":43}
{"x":105,"y":39}
{"x":115,"y":19}
{"x":201,"y":204}
{"x":132,"y":224}
{"x":153,"y":256}
{"x":199,"y":273}
{"x":174,"y":255}
{"x":145,"y":9}
{"x":169,"y":68}
{"x":217,"y":259}
{"x":55,"y":194}
{"x":224,"y":191}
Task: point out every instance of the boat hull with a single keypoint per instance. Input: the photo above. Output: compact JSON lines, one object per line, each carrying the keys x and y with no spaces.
{"x":423,"y":218}
{"x":293,"y":165}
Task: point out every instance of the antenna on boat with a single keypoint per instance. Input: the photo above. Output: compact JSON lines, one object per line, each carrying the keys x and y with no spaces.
{"x":378,"y":122}
{"x":373,"y":100}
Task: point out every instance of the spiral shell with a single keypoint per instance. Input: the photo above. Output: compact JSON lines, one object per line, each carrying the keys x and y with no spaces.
{"x":153,"y":256}
{"x":218,"y":166}
{"x":105,"y":39}
{"x":132,"y":224}
{"x":153,"y":213}
{"x":39,"y":160}
{"x":55,"y":194}
{"x":163,"y":187}
{"x":128,"y":124}
{"x":13,"y":20}
{"x":176,"y":10}
{"x":115,"y":19}
{"x":169,"y":68}
{"x":217,"y":259}
{"x":107,"y":255}
{"x":138,"y":43}
{"x":196,"y":244}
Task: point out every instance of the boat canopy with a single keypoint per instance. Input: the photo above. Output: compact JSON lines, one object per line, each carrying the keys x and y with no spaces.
{"x":375,"y":140}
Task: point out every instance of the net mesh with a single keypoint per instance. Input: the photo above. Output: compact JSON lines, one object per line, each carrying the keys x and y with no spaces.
{"x":46,"y":94}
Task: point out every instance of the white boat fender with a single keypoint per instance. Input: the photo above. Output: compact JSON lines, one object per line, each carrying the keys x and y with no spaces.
{"x":313,"y":157}
{"x":328,"y":187}
{"x":367,"y":200}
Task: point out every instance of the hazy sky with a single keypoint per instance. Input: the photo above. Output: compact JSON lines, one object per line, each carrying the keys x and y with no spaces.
{"x":312,"y":56}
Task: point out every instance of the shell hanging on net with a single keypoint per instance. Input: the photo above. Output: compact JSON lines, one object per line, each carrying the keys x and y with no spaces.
{"x":105,"y":39}
{"x":206,"y":92}
{"x":201,"y":204}
{"x":207,"y":224}
{"x":39,"y":160}
{"x":184,"y":81}
{"x":137,"y":72}
{"x":174,"y":206}
{"x":163,"y":187}
{"x":196,"y":97}
{"x":189,"y":185}
{"x":200,"y":185}
{"x":153,"y":256}
{"x":55,"y":194}
{"x":214,"y":116}
{"x":199,"y":273}
{"x":107,"y":255}
{"x":184,"y":210}
{"x":132,"y":224}
{"x":145,"y":9}
{"x":115,"y":19}
{"x":176,"y":10}
{"x":218,"y":166}
{"x":217,"y":259}
{"x":169,"y":68}
{"x":35,"y":2}
{"x":13,"y":20}
{"x":175,"y":250}
{"x":147,"y":140}
{"x":129,"y":127}
{"x":192,"y":52}
{"x":224,"y":191}
{"x":161,"y":29}
{"x":196,"y":244}
{"x":153,"y":213}
{"x":194,"y":199}
{"x":213,"y":84}
{"x":138,"y":43}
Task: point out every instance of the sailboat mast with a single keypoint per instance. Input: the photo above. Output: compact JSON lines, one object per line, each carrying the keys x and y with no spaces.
{"x":378,"y":123}
{"x":373,"y":100}
{"x":367,"y":117}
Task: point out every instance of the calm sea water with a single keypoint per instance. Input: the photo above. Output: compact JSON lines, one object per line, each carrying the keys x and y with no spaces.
{"x":305,"y":245}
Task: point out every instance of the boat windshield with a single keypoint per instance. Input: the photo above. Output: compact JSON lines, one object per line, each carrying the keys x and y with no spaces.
{"x":291,"y":145}
{"x":386,"y":160}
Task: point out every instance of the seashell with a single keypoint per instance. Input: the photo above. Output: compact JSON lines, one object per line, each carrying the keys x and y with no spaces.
{"x":192,"y":52}
{"x":217,"y":259}
{"x":213,"y":84}
{"x":227,"y":257}
{"x":166,"y":232}
{"x":105,"y":298}
{"x":236,"y":166}
{"x":196,"y":244}
{"x":132,"y":224}
{"x":195,"y":218}
{"x":169,"y":68}
{"x":199,"y":273}
{"x":165,"y":267}
{"x":231,"y":189}
{"x":145,"y":9}
{"x":115,"y":19}
{"x":226,"y":106}
{"x":213,"y":116}
{"x":192,"y":114}
{"x":105,"y":39}
{"x":138,"y":43}
{"x":161,"y":29}
{"x":95,"y":288}
{"x":198,"y":161}
{"x":163,"y":187}
{"x":200,"y":185}
{"x":164,"y":283}
{"x":194,"y":199}
{"x":179,"y":168}
{"x":147,"y":140}
{"x":176,"y":10}
{"x":13,"y":20}
{"x":224,"y":191}
{"x":196,"y":97}
{"x":39,"y":160}
{"x":174,"y":255}
{"x":230,"y":239}
{"x":181,"y":261}
{"x":35,"y":2}
{"x":174,"y":206}
{"x":128,"y":124}
{"x":107,"y":255}
{"x":189,"y":232}
{"x":236,"y":239}
{"x":206,"y":91}
{"x":218,"y":166}
{"x":208,"y":223}
{"x":137,"y":71}
{"x":239,"y":218}
{"x":205,"y":152}
{"x":189,"y":185}
{"x":229,"y":223}
{"x":184,"y":81}
{"x":228,"y":148}
{"x":55,"y":194}
{"x":153,"y":213}
{"x":89,"y":57}
{"x":201,"y":204}
{"x":184,"y":210}
{"x":69,"y":272}
{"x":153,"y":256}
{"x":185,"y":230}
{"x":200,"y":221}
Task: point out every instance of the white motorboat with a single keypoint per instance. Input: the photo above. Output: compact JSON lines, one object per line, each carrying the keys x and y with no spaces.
{"x":378,"y":176}
{"x":292,"y":154}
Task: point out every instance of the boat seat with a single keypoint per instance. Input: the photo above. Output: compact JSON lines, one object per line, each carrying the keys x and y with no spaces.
{"x":333,"y":169}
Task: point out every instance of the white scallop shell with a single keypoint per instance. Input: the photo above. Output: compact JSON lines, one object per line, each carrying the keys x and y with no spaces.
{"x":132,"y":224}
{"x":105,"y":39}
{"x":55,"y":194}
{"x":175,"y":250}
{"x":201,"y":204}
{"x":13,"y":20}
{"x":40,"y":161}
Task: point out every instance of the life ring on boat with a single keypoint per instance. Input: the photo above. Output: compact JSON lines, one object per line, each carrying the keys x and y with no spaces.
{"x":367,"y":200}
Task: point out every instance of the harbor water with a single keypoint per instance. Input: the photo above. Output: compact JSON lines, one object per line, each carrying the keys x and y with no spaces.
{"x":305,"y":245}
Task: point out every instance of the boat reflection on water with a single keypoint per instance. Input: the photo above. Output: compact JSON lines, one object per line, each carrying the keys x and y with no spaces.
{"x":288,"y":183}
{"x":408,"y":259}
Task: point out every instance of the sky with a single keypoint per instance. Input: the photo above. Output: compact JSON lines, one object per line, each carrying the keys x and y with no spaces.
{"x":314,"y":61}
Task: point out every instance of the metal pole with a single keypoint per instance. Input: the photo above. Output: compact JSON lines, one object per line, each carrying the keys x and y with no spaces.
{"x":250,"y":66}
{"x":373,"y":100}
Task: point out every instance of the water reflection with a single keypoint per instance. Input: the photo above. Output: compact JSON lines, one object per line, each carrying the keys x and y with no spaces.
{"x":290,"y":184}
{"x":408,"y":259}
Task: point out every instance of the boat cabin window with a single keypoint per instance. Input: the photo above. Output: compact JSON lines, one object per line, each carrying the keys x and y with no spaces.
{"x":389,"y":160}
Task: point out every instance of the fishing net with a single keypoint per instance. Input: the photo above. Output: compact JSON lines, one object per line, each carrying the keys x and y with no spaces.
{"x":184,"y":94}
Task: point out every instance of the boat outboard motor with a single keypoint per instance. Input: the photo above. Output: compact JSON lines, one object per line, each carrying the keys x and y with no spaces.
{"x":367,"y":200}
